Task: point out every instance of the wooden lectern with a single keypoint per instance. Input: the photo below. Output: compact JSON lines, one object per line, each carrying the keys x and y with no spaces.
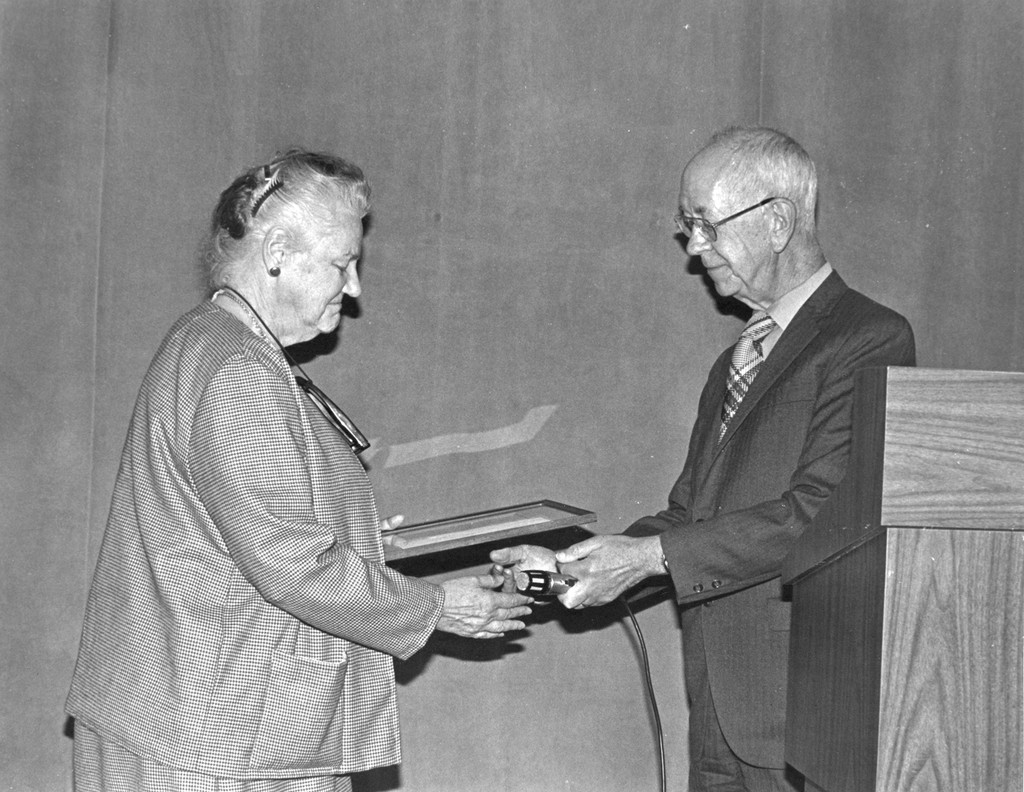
{"x":906,"y":650}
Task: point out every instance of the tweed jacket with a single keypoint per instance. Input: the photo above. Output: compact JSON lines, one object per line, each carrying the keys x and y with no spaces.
{"x":740,"y":503}
{"x":241,"y":621}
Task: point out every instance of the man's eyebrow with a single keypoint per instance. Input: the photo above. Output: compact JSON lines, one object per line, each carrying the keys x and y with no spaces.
{"x":698,"y":211}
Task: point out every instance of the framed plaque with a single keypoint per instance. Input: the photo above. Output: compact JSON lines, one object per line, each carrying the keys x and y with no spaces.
{"x":509,"y":523}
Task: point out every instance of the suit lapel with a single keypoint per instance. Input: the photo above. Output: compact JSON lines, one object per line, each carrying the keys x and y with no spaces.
{"x":800,"y":332}
{"x":708,"y":420}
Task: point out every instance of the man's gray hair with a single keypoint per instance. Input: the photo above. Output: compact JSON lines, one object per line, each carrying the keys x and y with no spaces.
{"x":766,"y":163}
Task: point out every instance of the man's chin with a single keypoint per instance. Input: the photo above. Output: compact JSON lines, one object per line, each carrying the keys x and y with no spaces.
{"x":725,"y":288}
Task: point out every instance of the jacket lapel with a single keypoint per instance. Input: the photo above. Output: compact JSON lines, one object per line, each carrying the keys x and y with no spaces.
{"x":800,"y":332}
{"x":705,"y":430}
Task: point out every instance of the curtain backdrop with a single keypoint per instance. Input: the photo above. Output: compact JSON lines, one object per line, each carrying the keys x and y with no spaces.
{"x":530,"y":328}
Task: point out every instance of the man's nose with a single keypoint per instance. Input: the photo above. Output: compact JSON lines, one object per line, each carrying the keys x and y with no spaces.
{"x":697,"y":242}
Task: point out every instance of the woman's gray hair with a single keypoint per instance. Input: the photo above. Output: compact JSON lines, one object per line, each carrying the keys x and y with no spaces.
{"x":299,"y":191}
{"x":766,"y":163}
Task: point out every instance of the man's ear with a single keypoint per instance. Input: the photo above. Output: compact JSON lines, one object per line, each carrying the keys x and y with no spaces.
{"x":275,"y":250}
{"x":783,"y":223}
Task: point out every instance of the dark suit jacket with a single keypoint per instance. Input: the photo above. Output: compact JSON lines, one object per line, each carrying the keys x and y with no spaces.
{"x":739,"y":504}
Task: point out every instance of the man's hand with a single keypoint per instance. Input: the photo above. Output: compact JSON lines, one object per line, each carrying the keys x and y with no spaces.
{"x":472,"y":608}
{"x":510,"y":560}
{"x":607,"y":565}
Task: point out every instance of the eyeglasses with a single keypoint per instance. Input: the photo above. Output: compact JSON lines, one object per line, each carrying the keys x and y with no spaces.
{"x":686,"y":224}
{"x":334,"y":415}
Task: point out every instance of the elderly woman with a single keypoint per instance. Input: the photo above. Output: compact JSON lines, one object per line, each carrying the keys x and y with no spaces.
{"x":241,"y":624}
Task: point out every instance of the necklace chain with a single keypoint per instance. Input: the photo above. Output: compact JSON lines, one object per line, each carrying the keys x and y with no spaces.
{"x":334,"y":415}
{"x":255,"y":321}
{"x":260,"y":326}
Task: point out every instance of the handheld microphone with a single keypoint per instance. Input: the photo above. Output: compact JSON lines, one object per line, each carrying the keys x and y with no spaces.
{"x":538,"y":583}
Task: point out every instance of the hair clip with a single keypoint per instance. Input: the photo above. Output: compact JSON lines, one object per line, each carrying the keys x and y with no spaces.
{"x":230,"y":221}
{"x":272,"y":183}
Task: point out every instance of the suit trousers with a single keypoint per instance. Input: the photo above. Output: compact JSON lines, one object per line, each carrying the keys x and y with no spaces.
{"x":713,"y":765}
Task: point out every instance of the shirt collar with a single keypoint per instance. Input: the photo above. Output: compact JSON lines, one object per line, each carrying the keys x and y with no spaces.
{"x":786,"y":307}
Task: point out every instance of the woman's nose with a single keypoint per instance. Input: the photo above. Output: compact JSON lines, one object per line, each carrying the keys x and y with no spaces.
{"x":353,"y":288}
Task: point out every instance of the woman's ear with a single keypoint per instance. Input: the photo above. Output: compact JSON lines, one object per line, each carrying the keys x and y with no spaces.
{"x":783,"y":223}
{"x":275,"y":251}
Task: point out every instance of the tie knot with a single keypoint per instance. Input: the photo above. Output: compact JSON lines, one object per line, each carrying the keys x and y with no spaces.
{"x":760,"y":325}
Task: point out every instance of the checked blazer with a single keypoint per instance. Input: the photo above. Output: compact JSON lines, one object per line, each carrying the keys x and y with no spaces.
{"x":241,"y":622}
{"x":740,"y":503}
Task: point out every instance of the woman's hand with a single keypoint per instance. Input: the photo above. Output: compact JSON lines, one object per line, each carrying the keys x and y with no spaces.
{"x":472,"y":608}
{"x":508,"y":561}
{"x":391,"y":523}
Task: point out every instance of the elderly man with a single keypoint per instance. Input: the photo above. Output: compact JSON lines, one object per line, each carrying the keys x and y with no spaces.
{"x":770,"y":443}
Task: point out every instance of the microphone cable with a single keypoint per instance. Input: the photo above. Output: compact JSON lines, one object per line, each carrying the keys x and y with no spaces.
{"x":539,"y":583}
{"x":650,"y":693}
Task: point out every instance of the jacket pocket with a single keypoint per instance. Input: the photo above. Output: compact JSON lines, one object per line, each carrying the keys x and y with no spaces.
{"x":303,"y":720}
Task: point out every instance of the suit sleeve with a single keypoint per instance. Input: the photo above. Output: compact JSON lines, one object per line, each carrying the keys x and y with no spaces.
{"x":715,"y":553}
{"x":249,"y":469}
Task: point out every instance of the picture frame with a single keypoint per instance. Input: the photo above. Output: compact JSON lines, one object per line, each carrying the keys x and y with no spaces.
{"x":494,"y":525}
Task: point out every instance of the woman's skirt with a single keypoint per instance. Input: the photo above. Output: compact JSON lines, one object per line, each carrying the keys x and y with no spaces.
{"x":103,"y":766}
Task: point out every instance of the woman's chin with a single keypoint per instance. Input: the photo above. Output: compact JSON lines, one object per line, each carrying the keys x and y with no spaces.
{"x":330,"y":320}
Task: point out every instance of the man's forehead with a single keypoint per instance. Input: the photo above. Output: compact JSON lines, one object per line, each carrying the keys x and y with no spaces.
{"x":698,"y":188}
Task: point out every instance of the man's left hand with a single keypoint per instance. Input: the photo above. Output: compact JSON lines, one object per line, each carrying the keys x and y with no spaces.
{"x":605,"y":566}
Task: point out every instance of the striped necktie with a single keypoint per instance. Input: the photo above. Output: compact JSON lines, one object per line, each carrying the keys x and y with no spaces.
{"x":746,"y":359}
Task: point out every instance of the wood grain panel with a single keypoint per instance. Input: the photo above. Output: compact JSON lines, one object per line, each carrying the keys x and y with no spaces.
{"x":950,"y":714}
{"x":954,"y":449}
